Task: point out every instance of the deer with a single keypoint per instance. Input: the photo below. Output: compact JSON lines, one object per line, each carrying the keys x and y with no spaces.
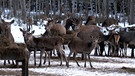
{"x":5,"y":30}
{"x":44,"y":44}
{"x":90,"y":20}
{"x":77,"y":45}
{"x":55,"y":28}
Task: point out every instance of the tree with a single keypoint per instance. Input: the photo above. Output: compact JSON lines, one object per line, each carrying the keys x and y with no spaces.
{"x":131,"y":14}
{"x":23,"y":6}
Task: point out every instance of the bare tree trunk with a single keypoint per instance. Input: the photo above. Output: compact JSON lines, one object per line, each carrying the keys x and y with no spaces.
{"x":46,"y":7}
{"x":91,"y":6}
{"x":70,"y":5}
{"x":29,"y":3}
{"x":131,"y":14}
{"x":51,"y":7}
{"x":107,"y":8}
{"x":74,"y":7}
{"x":65,"y":9}
{"x":98,"y":10}
{"x":15,"y":8}
{"x":54,"y":6}
{"x":24,"y":10}
{"x":86,"y":8}
{"x":115,"y":9}
{"x":1,"y":7}
{"x":60,"y":7}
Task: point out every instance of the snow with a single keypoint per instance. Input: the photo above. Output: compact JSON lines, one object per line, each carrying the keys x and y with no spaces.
{"x":103,"y":66}
{"x":109,"y":68}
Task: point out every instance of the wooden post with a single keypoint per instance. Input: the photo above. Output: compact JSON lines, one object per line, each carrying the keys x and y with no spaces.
{"x":25,"y":67}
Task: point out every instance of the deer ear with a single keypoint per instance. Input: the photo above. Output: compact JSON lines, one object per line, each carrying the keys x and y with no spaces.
{"x":2,"y":21}
{"x":21,"y":29}
{"x":33,"y":32}
{"x":12,"y":21}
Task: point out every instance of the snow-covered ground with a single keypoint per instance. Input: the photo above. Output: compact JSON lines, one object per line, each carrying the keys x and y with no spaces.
{"x":103,"y":66}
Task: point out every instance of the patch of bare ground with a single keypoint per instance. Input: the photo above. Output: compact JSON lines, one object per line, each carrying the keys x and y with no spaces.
{"x":18,"y":73}
{"x":100,"y":64}
{"x":128,"y":69}
{"x":101,"y":59}
{"x":12,"y":70}
{"x":110,"y":70}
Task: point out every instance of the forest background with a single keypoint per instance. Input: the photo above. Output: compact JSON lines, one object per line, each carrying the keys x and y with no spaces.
{"x":123,"y":10}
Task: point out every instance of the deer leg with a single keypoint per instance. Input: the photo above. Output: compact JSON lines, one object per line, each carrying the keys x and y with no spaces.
{"x":8,"y":61}
{"x":82,"y":56}
{"x":49,"y":58}
{"x":45,"y":57}
{"x":109,"y":50}
{"x":96,"y":50}
{"x":17,"y":63}
{"x":125,"y":49}
{"x":58,"y":53}
{"x":4,"y":62}
{"x":69,"y":57}
{"x":90,"y":61}
{"x":35,"y":57}
{"x":84,"y":59}
{"x":59,"y":49}
{"x":61,"y":57}
{"x":49,"y":55}
{"x":13,"y":62}
{"x":123,"y":52}
{"x":53,"y":51}
{"x":65,"y":58}
{"x":76,"y":59}
{"x":132,"y":52}
{"x":41,"y":54}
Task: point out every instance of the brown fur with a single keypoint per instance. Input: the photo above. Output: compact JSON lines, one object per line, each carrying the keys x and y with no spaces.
{"x":52,"y":43}
{"x":88,"y":28}
{"x":109,"y":21}
{"x":68,"y":37}
{"x":77,"y":45}
{"x":44,"y":44}
{"x":4,"y":41}
{"x":15,"y":52}
{"x":5,"y":29}
{"x":85,"y":32}
{"x":90,"y":20}
{"x":10,"y":50}
{"x":73,"y":23}
{"x":55,"y":27}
